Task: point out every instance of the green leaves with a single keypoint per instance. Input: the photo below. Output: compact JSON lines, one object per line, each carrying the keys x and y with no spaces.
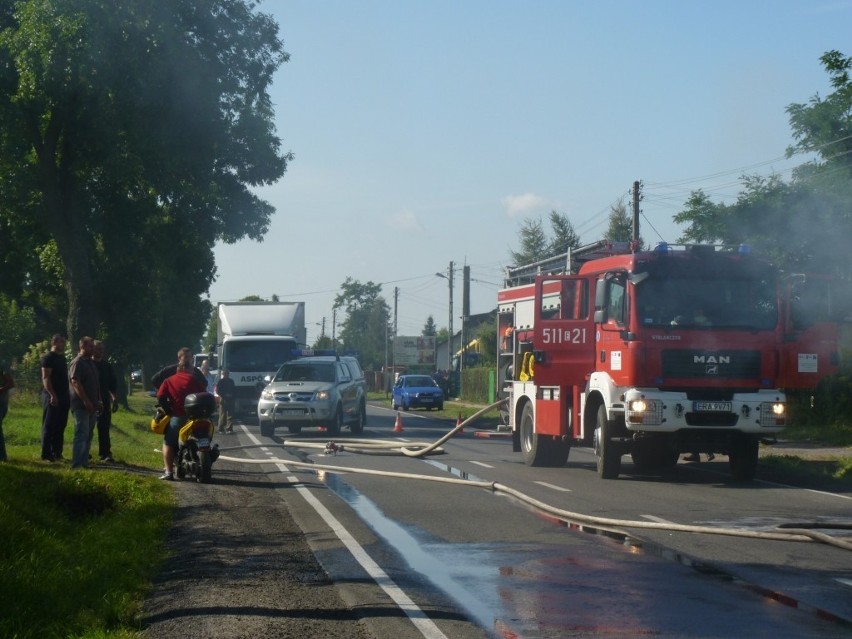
{"x":803,"y":224}
{"x":135,"y":133}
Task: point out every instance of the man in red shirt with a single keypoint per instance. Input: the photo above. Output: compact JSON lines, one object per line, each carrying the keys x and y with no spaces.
{"x":171,"y":394}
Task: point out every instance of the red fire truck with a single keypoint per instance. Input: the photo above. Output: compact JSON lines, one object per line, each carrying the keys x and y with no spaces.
{"x":653,"y":353}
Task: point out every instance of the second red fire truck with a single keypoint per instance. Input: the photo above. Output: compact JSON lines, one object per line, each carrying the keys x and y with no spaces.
{"x":656,"y":353}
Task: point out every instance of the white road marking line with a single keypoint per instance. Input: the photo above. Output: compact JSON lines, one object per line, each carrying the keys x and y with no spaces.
{"x":419,"y":618}
{"x":659,"y":520}
{"x":844,"y":581}
{"x":810,"y":490}
{"x":553,"y":486}
{"x":483,"y":464}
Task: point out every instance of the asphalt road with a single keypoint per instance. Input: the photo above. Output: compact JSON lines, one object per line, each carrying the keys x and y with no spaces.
{"x":370,"y":555}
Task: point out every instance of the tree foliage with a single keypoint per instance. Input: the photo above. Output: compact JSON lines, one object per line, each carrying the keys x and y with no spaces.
{"x":19,"y":329}
{"x":429,"y":328}
{"x":364,"y":329}
{"x":803,"y":224}
{"x":824,"y":126}
{"x":535,"y":245}
{"x":131,"y":135}
{"x":620,"y":224}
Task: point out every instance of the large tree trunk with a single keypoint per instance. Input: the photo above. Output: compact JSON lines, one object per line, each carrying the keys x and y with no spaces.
{"x":65,"y":218}
{"x":82,"y":314}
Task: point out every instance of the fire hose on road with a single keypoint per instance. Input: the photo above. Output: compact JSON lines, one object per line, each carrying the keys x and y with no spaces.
{"x":804,"y":533}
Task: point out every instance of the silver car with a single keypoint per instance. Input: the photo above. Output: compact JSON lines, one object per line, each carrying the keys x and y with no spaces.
{"x":315,"y":391}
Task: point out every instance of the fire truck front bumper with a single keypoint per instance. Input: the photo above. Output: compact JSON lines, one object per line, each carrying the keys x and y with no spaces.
{"x":650,"y":410}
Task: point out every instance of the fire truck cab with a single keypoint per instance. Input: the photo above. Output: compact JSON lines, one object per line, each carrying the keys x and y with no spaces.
{"x":651,"y":354}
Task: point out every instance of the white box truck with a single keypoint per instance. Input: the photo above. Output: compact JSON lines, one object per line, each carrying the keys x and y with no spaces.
{"x":254,"y":340}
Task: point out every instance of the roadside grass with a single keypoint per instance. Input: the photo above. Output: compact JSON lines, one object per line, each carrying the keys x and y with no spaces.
{"x":809,"y":431}
{"x":80,"y":548}
{"x":826,"y":474}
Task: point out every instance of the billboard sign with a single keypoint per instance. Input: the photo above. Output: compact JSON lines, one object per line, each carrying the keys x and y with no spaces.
{"x":414,"y":351}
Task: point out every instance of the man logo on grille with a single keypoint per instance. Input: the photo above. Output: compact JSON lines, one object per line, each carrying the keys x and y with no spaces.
{"x":712,"y":369}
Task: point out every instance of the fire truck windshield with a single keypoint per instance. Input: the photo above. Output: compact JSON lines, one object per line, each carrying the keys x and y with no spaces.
{"x":700,"y":301}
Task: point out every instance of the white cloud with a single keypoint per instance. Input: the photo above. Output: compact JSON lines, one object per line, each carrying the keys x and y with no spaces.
{"x":405,"y":221}
{"x":526,"y":204}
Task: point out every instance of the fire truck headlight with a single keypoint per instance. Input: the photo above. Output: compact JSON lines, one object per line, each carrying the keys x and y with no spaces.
{"x":773,"y":413}
{"x":644,"y":411}
{"x":638,"y":406}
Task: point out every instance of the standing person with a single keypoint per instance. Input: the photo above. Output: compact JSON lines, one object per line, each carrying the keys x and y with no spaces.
{"x":205,"y":370}
{"x":108,"y":382}
{"x":6,"y":384}
{"x":226,"y":390}
{"x":171,"y":395}
{"x":86,"y":401}
{"x":55,"y":399}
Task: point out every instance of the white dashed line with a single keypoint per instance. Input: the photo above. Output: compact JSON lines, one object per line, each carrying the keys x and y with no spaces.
{"x":659,"y":520}
{"x":553,"y":486}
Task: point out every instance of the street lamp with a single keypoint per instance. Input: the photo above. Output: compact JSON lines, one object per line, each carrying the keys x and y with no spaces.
{"x":449,"y":278}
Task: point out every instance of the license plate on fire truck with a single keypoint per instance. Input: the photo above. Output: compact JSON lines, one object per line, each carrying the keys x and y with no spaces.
{"x":711,"y":407}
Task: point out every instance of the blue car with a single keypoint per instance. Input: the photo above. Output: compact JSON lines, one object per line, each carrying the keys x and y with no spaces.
{"x":417,"y":391}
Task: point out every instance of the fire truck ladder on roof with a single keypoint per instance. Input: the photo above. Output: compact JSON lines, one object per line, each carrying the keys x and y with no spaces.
{"x":568,"y":262}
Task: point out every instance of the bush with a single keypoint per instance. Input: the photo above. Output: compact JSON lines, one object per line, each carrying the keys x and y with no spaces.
{"x":28,"y":373}
{"x":476,"y":383}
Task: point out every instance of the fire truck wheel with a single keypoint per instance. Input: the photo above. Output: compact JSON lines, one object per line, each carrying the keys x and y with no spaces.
{"x":540,"y":450}
{"x":607,"y":452}
{"x":743,"y":456}
{"x":530,"y":442}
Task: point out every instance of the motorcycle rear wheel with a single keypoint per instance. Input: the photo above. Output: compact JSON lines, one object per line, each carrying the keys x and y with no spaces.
{"x":205,"y":466}
{"x":180,"y":464}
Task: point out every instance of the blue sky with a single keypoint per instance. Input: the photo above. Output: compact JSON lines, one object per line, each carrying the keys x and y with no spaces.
{"x":425,"y":132}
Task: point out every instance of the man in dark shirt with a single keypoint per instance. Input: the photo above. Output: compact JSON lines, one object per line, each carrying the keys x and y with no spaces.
{"x":106,"y":375}
{"x":55,"y":399}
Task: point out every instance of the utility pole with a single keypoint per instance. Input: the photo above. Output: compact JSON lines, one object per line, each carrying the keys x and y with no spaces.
{"x":637,"y":197}
{"x":465,"y":313}
{"x":395,"y":304}
{"x":449,"y":278}
{"x":395,"y":316}
{"x":450,"y":323}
